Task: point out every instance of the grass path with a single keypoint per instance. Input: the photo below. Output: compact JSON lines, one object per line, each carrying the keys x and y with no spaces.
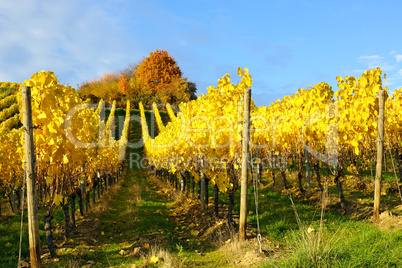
{"x":125,"y":219}
{"x":134,"y":221}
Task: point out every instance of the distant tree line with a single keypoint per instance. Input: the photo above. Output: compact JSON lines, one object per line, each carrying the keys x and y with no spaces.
{"x":157,"y":78}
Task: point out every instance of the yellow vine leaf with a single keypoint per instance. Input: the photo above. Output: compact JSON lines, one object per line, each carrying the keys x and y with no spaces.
{"x":58,"y":199}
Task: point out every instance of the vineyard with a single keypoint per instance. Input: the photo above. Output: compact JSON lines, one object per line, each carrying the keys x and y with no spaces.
{"x":143,"y":180}
{"x":71,"y":157}
{"x":312,"y":127}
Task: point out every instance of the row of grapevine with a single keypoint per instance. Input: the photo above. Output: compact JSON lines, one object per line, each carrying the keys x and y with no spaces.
{"x":203,"y":140}
{"x":313,"y":126}
{"x":72,"y":155}
{"x":10,"y":139}
{"x":8,"y":101}
{"x":9,"y":108}
{"x":9,"y":85}
{"x":9,"y":112}
{"x":334,"y":125}
{"x":11,"y":122}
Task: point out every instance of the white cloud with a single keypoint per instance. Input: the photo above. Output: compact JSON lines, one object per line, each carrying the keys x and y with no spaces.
{"x":394,"y":79}
{"x":371,"y":58}
{"x":75,"y":40}
{"x":82,"y":39}
{"x":398,"y":58}
{"x":371,"y":61}
{"x":374,"y":61}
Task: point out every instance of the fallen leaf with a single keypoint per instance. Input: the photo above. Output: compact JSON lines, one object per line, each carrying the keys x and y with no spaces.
{"x":136,"y":250}
{"x":44,"y":256}
{"x":194,"y":233}
{"x":154,"y":259}
{"x":60,"y":250}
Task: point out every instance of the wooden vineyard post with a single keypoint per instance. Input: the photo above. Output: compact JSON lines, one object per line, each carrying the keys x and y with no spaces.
{"x":380,"y":149}
{"x":106,"y":179}
{"x":30,"y":170}
{"x":202,"y":185}
{"x":98,"y":179}
{"x":244,"y":165}
{"x":399,"y":161}
{"x":82,"y":191}
{"x":307,"y":169}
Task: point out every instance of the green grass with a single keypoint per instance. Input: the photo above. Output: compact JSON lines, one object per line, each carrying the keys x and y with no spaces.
{"x":10,"y":236}
{"x":344,"y":244}
{"x":9,"y":241}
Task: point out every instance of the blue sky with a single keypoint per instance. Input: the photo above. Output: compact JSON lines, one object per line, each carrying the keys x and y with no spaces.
{"x":286,"y":45}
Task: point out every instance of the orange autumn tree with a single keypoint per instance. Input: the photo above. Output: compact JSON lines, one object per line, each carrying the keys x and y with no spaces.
{"x":123,"y":85}
{"x":160,"y":78}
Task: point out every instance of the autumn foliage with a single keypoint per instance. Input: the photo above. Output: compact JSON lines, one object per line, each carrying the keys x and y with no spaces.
{"x":160,"y":77}
{"x":123,"y":85}
{"x":106,"y":88}
{"x":157,"y":78}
